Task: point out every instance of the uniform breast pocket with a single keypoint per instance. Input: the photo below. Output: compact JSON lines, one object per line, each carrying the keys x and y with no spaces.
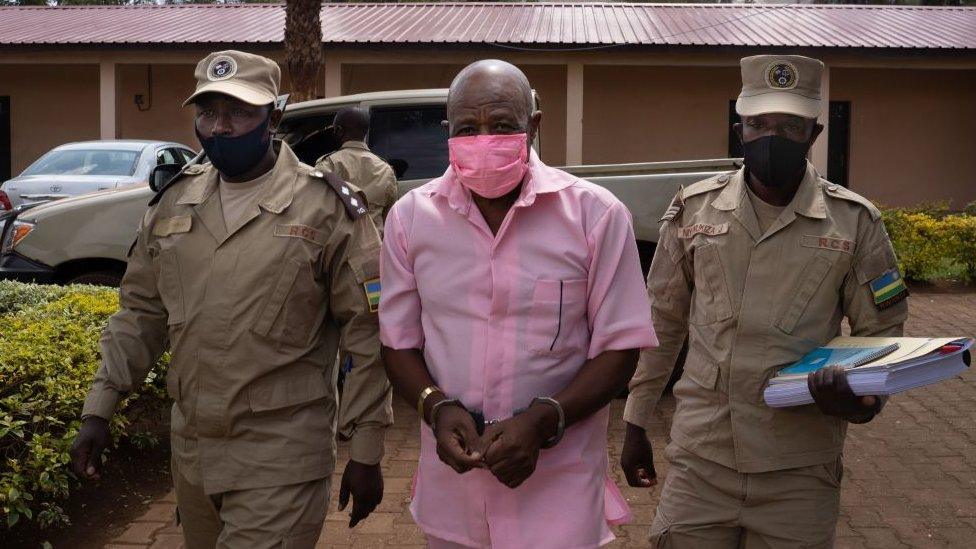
{"x":169,"y":284}
{"x":711,"y":302}
{"x":808,"y":286}
{"x":557,"y":323}
{"x":295,"y":306}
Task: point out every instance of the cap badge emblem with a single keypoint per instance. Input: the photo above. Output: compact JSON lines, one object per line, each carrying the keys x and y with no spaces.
{"x":221,"y":68}
{"x":781,"y":76}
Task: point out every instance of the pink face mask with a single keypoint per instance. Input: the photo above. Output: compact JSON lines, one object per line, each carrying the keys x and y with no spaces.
{"x":490,"y":165}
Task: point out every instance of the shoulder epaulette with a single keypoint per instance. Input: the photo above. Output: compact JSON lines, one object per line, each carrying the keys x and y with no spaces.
{"x":706,"y":185}
{"x":353,"y":200}
{"x":677,"y":203}
{"x":324,"y":156}
{"x":843,"y":193}
{"x":697,"y":188}
{"x":191,"y":168}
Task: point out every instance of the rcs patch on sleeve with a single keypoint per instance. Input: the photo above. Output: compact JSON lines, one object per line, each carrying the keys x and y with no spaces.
{"x":888,"y":289}
{"x":372,"y":288}
{"x":367,"y":269}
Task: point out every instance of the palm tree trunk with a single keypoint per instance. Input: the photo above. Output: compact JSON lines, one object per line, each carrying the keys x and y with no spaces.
{"x":303,"y":46}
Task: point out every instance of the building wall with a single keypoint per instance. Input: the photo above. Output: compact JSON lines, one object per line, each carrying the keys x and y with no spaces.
{"x":163,"y":119}
{"x":643,"y":114}
{"x":548,"y":80}
{"x":911,"y":137}
{"x":49,"y":105}
{"x":912,"y":134}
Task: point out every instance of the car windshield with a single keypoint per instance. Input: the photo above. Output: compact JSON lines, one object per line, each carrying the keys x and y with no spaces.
{"x":85,"y":162}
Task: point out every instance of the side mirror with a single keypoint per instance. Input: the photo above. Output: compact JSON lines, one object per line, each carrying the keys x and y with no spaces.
{"x":161,"y":174}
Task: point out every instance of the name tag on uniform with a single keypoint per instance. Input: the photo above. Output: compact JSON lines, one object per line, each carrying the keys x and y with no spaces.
{"x":173,"y":225}
{"x":703,"y":228}
{"x":300,"y":231}
{"x":827,"y":243}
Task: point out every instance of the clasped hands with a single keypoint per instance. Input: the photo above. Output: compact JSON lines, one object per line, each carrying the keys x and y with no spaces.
{"x":508,"y":448}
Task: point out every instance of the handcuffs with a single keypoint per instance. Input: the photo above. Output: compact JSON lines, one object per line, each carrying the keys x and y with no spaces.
{"x":481,"y":423}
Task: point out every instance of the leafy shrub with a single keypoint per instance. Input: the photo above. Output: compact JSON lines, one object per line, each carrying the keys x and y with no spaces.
{"x":48,"y":358}
{"x":931,"y":243}
{"x":970,"y":208}
{"x":960,"y":232}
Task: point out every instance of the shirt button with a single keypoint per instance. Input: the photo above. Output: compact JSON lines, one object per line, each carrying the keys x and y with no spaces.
{"x":723,"y":179}
{"x":831,"y":187}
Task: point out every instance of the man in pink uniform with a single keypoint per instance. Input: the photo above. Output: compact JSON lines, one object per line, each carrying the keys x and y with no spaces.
{"x":512,"y":313}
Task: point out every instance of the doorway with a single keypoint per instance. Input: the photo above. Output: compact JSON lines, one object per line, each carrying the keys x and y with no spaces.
{"x":4,"y":138}
{"x":839,"y":143}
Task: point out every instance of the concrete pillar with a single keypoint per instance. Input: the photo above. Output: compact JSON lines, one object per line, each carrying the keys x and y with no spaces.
{"x":574,"y":114}
{"x":106,"y":100}
{"x":818,"y":155}
{"x":333,"y":76}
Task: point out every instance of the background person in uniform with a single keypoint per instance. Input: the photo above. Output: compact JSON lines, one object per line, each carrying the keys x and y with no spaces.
{"x":249,"y":269}
{"x":524,"y":322}
{"x":757,"y":268}
{"x":355,"y":163}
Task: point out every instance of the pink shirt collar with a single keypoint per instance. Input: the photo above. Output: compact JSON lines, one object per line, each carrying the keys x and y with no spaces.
{"x":540,"y":179}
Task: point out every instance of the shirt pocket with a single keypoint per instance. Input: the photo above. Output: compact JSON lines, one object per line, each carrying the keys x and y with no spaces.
{"x":294,"y":307}
{"x":169,"y":284}
{"x":711,"y":302}
{"x":558,"y":316}
{"x":287,"y":389}
{"x":807,"y":287}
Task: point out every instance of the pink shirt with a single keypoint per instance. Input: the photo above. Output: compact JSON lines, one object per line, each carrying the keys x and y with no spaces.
{"x":502,"y":319}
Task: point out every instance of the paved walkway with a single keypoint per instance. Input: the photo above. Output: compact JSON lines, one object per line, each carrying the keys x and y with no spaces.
{"x":910,"y":475}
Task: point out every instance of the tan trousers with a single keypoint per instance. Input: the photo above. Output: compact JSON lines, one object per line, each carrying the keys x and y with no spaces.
{"x":705,"y":505}
{"x":279,"y":517}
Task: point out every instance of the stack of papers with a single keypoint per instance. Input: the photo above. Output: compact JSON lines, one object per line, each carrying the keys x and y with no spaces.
{"x":875,"y":366}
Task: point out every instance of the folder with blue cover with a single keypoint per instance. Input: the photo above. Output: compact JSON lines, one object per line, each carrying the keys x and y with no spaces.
{"x":874,"y":366}
{"x":846,"y":357}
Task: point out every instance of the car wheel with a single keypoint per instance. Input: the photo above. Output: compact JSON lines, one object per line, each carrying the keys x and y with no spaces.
{"x":98,"y":278}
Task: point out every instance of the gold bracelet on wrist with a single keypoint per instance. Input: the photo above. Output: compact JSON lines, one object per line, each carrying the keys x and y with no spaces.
{"x":423,"y":398}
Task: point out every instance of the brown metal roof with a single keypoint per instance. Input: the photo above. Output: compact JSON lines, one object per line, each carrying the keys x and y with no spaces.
{"x":557,"y":24}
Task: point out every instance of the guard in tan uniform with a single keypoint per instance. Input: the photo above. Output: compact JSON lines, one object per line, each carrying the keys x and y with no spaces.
{"x":249,"y":269}
{"x":355,"y":163}
{"x":756,"y":268}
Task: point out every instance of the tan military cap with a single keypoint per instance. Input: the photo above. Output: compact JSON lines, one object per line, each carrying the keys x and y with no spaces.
{"x":787,"y":84}
{"x":251,"y":78}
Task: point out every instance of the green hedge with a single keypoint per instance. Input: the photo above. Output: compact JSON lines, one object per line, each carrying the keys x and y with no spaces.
{"x":933,"y":244}
{"x":48,"y":357}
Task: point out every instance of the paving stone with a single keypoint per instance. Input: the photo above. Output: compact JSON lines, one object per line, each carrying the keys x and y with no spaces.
{"x":168,"y":541}
{"x":159,"y":512}
{"x":139,"y":532}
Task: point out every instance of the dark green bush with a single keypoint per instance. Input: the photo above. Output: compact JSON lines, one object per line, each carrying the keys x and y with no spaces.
{"x":48,"y":357}
{"x":932,"y":244}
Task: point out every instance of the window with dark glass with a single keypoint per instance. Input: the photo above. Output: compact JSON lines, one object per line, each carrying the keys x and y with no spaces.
{"x":412,"y":139}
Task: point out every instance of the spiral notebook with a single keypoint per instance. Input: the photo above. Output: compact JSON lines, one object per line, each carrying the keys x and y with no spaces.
{"x":823,"y":357}
{"x":904,"y":363}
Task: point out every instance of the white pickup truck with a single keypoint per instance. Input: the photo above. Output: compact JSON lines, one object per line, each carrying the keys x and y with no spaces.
{"x":85,"y":239}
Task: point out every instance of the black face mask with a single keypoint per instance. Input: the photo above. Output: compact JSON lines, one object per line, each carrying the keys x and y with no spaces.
{"x":776,"y":161}
{"x":233,"y":156}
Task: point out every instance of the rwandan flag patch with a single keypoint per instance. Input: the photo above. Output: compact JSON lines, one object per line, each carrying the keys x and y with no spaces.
{"x":888,"y":289}
{"x":372,"y":287}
